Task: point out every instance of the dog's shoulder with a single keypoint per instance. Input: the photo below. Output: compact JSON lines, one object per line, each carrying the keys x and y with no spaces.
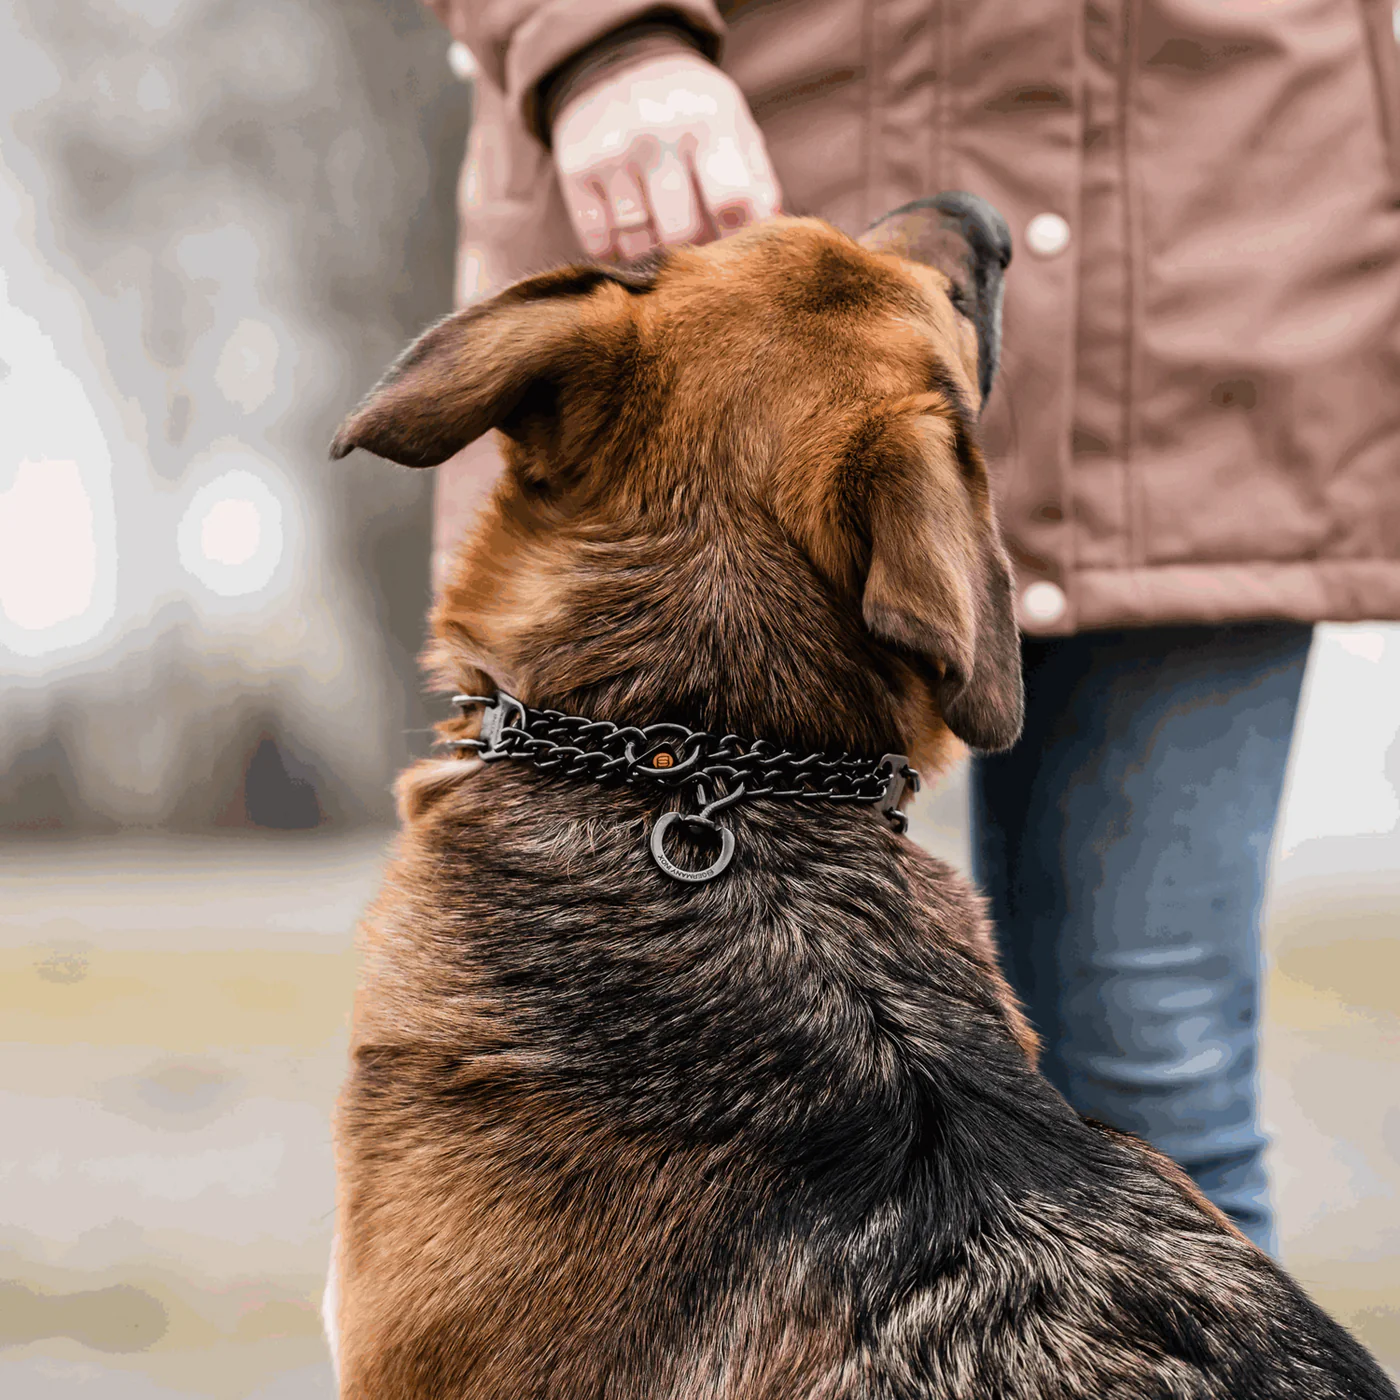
{"x":802,"y":1100}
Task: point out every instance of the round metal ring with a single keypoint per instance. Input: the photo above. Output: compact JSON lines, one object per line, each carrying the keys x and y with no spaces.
{"x":676,"y":872}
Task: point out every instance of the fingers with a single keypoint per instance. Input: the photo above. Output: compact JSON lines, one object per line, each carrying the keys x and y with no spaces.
{"x":631,"y":232}
{"x":610,"y":214}
{"x":675,"y":211}
{"x":588,"y":212}
{"x":736,"y":182}
{"x":623,"y":213}
{"x":665,"y":151}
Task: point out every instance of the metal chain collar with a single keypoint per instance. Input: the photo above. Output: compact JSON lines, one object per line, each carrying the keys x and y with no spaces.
{"x":670,"y":756}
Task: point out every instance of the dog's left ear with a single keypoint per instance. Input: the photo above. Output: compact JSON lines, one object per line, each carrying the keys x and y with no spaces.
{"x":495,"y":365}
{"x":966,"y":239}
{"x":938,"y":582}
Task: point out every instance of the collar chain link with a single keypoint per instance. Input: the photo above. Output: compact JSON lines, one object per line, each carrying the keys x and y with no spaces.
{"x":670,"y":756}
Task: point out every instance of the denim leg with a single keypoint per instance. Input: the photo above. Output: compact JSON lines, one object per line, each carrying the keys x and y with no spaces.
{"x":1124,"y":846}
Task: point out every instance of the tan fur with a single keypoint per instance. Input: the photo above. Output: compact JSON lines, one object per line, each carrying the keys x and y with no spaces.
{"x":423,"y":1232}
{"x":581,"y":1152}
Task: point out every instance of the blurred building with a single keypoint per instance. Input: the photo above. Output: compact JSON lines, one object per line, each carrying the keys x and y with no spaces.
{"x":218,"y":222}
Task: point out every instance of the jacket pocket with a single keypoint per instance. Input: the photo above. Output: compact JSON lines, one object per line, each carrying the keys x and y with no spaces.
{"x":1383,"y":37}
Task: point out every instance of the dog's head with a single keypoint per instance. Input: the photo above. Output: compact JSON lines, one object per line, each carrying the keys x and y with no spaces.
{"x":743,"y":483}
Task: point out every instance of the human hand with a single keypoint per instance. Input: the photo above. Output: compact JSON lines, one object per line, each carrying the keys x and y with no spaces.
{"x":660,"y":150}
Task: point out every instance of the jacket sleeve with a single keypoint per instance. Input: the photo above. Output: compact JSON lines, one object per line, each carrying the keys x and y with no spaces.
{"x":519,"y":43}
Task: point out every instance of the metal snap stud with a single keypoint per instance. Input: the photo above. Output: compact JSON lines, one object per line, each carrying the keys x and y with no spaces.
{"x":660,"y":758}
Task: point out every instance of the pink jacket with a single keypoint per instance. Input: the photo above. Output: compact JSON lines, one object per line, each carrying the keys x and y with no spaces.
{"x":1198,"y":418}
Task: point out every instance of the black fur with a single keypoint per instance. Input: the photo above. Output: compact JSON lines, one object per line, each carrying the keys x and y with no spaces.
{"x":880,"y":1158}
{"x":778,"y":1136}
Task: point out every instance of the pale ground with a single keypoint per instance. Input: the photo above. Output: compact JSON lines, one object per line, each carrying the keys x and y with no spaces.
{"x":175,"y":1014}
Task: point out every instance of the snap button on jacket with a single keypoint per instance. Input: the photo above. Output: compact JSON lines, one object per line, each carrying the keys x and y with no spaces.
{"x":1198,"y":417}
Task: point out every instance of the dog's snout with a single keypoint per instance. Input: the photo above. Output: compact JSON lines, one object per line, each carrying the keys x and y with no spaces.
{"x":967,"y":239}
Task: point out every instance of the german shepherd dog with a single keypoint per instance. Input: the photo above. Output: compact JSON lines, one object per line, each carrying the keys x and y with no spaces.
{"x":778,"y":1135}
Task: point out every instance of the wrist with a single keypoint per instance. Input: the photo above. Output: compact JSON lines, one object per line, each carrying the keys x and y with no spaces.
{"x":633,"y":43}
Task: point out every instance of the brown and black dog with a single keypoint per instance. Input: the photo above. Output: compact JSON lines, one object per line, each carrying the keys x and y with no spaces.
{"x":778,"y":1135}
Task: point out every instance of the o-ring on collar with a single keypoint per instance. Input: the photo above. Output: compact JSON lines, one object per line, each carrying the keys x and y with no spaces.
{"x":670,"y":756}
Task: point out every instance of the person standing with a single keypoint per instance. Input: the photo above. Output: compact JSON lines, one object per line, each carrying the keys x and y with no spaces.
{"x":1195,"y":438}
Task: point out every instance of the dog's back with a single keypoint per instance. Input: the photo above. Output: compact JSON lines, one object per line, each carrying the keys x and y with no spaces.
{"x":780,"y":1140}
{"x":780,"y":1134}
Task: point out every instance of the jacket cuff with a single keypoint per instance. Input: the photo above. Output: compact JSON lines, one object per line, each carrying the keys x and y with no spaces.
{"x":562,"y":32}
{"x":615,"y":50}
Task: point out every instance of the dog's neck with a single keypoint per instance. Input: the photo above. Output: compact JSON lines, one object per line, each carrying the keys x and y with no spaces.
{"x":715,"y":629}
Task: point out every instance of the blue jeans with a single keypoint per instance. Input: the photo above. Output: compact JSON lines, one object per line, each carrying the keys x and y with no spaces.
{"x":1124,"y":844}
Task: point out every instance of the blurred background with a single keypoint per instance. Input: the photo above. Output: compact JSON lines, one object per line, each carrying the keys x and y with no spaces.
{"x":218,"y":222}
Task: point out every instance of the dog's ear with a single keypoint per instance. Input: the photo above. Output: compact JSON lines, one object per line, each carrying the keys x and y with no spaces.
{"x":966,"y":240}
{"x":490,"y":366}
{"x":938,"y":582}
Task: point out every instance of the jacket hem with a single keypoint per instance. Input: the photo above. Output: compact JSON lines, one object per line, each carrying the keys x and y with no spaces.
{"x":1315,"y":590}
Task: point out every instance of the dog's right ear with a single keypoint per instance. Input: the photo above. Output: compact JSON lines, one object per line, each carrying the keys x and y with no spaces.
{"x":476,"y":370}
